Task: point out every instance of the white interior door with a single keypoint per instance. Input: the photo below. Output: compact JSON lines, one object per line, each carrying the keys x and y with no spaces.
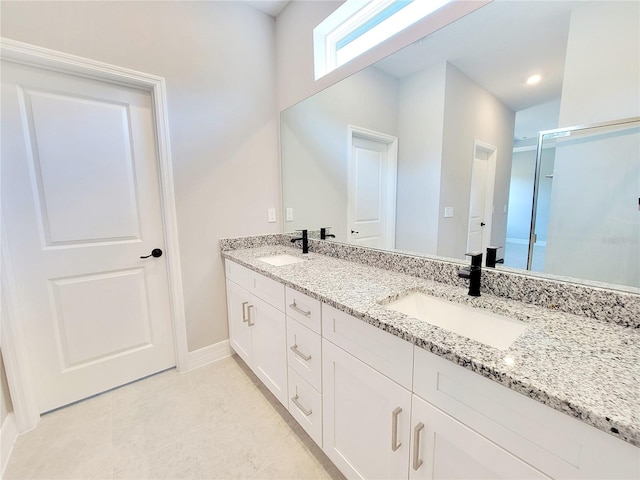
{"x":481,"y":198}
{"x":81,"y":205}
{"x":372,"y":191}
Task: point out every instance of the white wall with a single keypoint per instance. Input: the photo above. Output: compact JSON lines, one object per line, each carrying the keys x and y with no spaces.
{"x":471,"y":113}
{"x":420,"y":128}
{"x":219,"y":62}
{"x":294,"y":55}
{"x":315,"y":146}
{"x":601,"y":80}
{"x":593,"y":226}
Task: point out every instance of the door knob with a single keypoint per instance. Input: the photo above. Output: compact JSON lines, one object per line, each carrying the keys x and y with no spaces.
{"x":482,"y":224}
{"x":156,"y":252}
{"x":353,"y":231}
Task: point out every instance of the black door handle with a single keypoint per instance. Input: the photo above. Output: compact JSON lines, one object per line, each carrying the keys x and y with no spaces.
{"x":156,"y":252}
{"x":482,"y":224}
{"x":353,"y":231}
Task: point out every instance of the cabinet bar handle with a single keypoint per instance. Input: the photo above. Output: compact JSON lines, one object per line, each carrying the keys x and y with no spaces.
{"x":302,"y":409}
{"x":395,"y":444}
{"x":294,"y":349}
{"x":244,"y":312}
{"x":299,"y":310}
{"x":417,"y":463}
{"x":251,"y":324}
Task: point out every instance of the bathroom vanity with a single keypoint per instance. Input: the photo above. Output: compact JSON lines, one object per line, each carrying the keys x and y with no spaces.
{"x":388,"y":394}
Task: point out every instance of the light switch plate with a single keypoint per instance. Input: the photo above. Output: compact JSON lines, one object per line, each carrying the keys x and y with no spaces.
{"x":271,"y":215}
{"x":289,"y":214}
{"x":448,"y":212}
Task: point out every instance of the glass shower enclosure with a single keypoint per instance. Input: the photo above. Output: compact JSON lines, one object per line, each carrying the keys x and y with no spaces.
{"x":585,"y":220}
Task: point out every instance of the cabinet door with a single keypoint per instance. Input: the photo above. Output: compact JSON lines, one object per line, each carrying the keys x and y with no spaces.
{"x":238,"y":300}
{"x":269,"y":347}
{"x":366,"y":418}
{"x":442,"y":447}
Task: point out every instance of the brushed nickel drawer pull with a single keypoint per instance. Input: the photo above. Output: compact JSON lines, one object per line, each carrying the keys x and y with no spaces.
{"x":251,"y":324}
{"x":244,"y":312}
{"x":417,"y":463}
{"x":302,"y":409}
{"x":294,"y":349}
{"x":395,"y":444}
{"x":299,"y":310}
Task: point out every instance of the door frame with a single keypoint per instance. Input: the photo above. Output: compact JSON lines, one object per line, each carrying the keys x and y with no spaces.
{"x":14,"y":352}
{"x":392,"y":159}
{"x":492,"y":155}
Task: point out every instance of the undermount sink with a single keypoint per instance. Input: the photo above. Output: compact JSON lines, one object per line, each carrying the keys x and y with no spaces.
{"x":474,"y":323}
{"x":281,"y":260}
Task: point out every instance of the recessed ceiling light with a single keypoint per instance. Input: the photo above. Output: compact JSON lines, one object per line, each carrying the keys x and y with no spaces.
{"x":533,"y":79}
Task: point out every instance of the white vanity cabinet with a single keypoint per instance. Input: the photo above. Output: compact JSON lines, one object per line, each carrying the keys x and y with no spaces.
{"x":476,"y":425}
{"x":366,"y":414}
{"x":381,"y":408}
{"x":257,"y":329}
{"x":442,"y":447}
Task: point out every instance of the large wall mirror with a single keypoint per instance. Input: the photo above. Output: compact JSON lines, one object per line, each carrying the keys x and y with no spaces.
{"x":433,"y":150}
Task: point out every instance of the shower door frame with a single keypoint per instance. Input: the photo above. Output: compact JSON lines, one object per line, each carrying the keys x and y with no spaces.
{"x":557,"y":133}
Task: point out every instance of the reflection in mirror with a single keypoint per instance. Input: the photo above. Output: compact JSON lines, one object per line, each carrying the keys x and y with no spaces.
{"x":433,"y":150}
{"x":587,"y":226}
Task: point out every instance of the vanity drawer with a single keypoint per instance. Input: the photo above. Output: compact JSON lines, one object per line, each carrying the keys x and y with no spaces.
{"x":262,"y":287}
{"x":304,"y":352}
{"x":268,"y":290}
{"x":305,"y":405}
{"x":556,"y":444}
{"x":388,"y":354}
{"x":238,"y":274}
{"x":304,"y":309}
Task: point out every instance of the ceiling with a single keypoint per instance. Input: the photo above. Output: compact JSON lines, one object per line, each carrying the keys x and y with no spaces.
{"x":270,"y":7}
{"x":499,"y":46}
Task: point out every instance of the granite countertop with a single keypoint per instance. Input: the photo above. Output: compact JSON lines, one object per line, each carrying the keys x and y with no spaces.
{"x":586,"y":368}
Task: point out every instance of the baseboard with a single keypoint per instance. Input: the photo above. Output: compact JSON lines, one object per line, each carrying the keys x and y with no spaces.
{"x":8,"y":436}
{"x":212,"y":353}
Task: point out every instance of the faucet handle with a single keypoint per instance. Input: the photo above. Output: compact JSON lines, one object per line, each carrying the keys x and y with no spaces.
{"x":476,"y":258}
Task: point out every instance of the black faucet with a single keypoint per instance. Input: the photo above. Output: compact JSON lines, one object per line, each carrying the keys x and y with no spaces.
{"x":491,"y":257}
{"x":324,"y":235}
{"x":473,"y":273}
{"x":305,"y":241}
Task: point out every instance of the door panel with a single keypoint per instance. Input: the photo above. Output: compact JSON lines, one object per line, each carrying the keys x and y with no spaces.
{"x":81,"y":205}
{"x":91,"y":296}
{"x":269,"y":347}
{"x":369,"y":187}
{"x":95,"y":136}
{"x":358,"y":413}
{"x":443,"y":448}
{"x":476,"y":204}
{"x":238,"y":300}
{"x":483,"y":173}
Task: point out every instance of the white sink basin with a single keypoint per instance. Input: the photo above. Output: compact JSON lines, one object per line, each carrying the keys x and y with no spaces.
{"x":281,"y":260}
{"x":474,"y":323}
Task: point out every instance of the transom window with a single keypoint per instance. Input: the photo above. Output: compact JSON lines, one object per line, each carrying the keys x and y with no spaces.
{"x":359,"y":25}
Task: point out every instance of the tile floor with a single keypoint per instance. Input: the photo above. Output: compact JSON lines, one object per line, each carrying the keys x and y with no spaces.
{"x":217,"y":421}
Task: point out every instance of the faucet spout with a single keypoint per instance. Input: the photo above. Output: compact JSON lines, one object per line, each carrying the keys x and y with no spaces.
{"x":305,"y":241}
{"x":324,"y":235}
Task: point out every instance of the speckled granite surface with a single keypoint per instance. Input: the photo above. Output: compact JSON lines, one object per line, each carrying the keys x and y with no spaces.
{"x":615,"y":306}
{"x":586,"y":368}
